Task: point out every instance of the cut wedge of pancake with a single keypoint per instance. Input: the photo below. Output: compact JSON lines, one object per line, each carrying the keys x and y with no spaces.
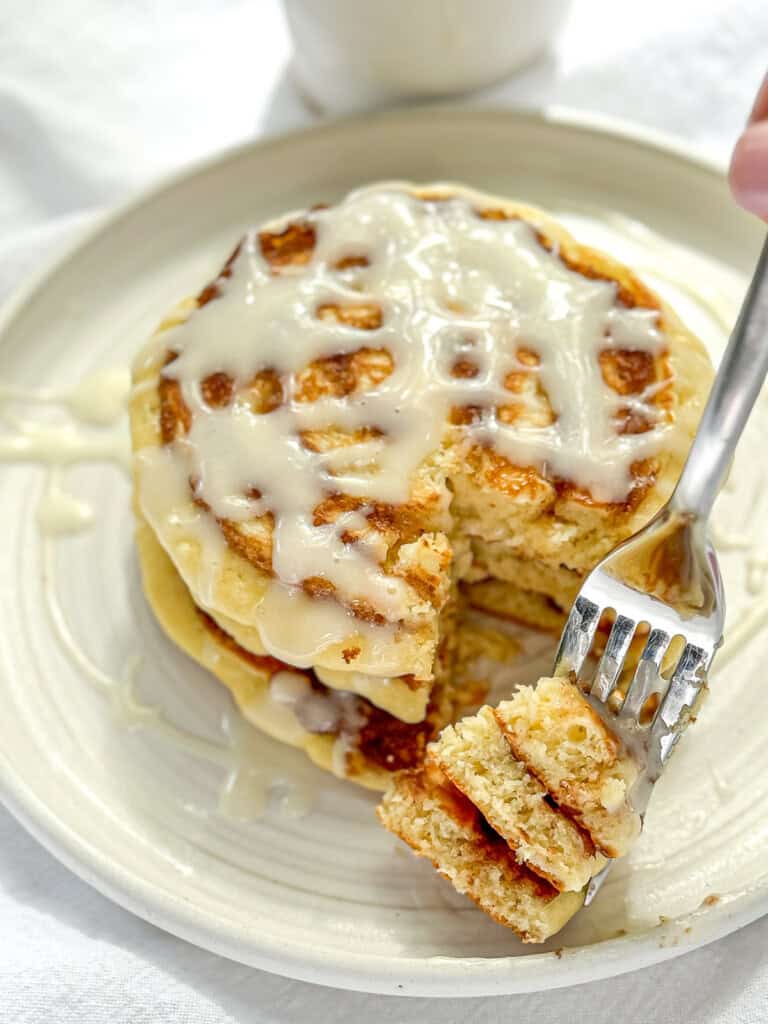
{"x":477,"y":759}
{"x":520,"y":802}
{"x":438,"y":823}
{"x":562,"y":740}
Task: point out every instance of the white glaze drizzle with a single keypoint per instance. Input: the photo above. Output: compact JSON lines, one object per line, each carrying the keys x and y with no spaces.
{"x":292,"y":626}
{"x":425,"y":262}
{"x":59,"y":512}
{"x":252,"y":786}
{"x":98,"y":398}
{"x":317,"y":711}
{"x":658,"y":257}
{"x":63,"y":445}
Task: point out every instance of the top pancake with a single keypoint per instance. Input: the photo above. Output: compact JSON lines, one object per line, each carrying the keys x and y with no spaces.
{"x":369,"y":390}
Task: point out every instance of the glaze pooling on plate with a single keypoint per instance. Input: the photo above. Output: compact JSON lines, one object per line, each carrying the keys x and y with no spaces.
{"x":463,"y":303}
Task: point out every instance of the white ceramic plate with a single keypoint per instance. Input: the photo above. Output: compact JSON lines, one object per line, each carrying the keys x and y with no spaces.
{"x":159,"y":809}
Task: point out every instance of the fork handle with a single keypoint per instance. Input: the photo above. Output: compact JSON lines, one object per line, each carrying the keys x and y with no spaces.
{"x":735,"y":390}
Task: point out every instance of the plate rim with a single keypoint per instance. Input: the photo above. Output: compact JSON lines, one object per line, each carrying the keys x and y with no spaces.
{"x":376,"y":973}
{"x":553,"y":115}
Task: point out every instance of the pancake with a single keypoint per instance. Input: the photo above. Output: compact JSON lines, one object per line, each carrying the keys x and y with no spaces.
{"x":564,"y":743}
{"x":477,"y":759}
{"x":534,"y":791}
{"x":438,"y":823}
{"x":381,"y":410}
{"x":341,"y":732}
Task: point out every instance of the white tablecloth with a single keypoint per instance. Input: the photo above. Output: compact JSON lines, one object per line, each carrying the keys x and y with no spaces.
{"x":95,"y":100}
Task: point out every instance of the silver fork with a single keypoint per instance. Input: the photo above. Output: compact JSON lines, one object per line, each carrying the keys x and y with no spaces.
{"x":686,"y":598}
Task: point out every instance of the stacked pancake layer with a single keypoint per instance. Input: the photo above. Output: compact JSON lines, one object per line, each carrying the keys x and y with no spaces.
{"x":520,"y":805}
{"x":377,"y":412}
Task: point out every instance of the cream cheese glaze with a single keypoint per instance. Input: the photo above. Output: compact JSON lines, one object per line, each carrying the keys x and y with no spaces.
{"x":450,"y":285}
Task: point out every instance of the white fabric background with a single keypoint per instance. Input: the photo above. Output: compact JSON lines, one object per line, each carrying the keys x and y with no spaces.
{"x":96,"y":99}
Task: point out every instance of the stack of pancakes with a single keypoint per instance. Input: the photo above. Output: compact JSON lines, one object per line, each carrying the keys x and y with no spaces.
{"x":379,"y":414}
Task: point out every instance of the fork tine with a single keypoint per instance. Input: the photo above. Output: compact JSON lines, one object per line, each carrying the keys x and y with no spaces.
{"x":613,"y":657}
{"x":646,"y":677}
{"x":577,"y":636}
{"x":688,"y":678}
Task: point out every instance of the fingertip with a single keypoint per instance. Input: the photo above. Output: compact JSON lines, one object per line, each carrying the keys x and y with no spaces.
{"x":760,"y":108}
{"x":748,"y":174}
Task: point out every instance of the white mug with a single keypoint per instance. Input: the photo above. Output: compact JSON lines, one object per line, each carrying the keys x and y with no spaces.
{"x":355,"y":54}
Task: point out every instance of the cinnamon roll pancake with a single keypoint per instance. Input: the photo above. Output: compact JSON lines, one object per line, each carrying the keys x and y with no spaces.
{"x":378,"y":412}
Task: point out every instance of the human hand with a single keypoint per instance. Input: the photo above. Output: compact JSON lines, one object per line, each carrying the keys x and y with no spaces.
{"x":749,"y":164}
